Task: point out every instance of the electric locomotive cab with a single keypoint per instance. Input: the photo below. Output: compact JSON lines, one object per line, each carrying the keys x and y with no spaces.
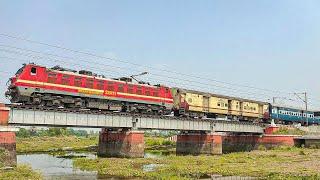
{"x":12,"y":91}
{"x":17,"y":92}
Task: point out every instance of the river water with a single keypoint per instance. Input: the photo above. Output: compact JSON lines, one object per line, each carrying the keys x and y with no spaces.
{"x":60,"y":167}
{"x":55,"y":167}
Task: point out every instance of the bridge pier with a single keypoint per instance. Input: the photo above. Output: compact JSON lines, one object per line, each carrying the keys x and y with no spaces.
{"x":8,"y":155}
{"x":121,"y":143}
{"x":195,"y":143}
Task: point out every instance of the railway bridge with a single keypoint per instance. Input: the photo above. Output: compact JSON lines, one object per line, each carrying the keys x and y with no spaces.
{"x":122,"y":134}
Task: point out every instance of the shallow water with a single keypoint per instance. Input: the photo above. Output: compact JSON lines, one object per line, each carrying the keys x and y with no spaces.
{"x":60,"y":167}
{"x":55,"y":167}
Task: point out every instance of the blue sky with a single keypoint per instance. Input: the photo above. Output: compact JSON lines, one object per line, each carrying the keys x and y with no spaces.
{"x":269,"y":44}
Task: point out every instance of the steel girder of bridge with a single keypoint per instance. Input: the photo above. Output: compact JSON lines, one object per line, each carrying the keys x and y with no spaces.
{"x":40,"y":117}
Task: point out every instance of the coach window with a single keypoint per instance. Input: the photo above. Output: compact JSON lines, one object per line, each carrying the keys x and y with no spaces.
{"x":33,"y":71}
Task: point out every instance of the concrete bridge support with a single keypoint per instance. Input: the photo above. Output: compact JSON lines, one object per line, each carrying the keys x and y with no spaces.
{"x":8,"y":155}
{"x":195,"y":143}
{"x":121,"y":143}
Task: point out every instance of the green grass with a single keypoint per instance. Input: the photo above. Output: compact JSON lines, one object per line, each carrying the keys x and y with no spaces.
{"x":289,"y":131}
{"x":158,"y":144}
{"x":19,"y":172}
{"x":51,"y":144}
{"x":281,"y":163}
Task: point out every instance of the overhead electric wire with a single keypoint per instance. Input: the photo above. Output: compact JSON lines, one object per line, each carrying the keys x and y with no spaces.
{"x":38,"y":57}
{"x":94,"y":68}
{"x":135,"y":64}
{"x":69,"y":58}
{"x":139,"y":65}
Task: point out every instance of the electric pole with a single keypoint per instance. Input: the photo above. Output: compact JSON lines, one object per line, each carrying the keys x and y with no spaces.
{"x":305,"y":100}
{"x":306,"y":103}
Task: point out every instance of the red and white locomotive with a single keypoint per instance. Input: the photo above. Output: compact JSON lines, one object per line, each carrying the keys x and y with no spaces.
{"x":59,"y":87}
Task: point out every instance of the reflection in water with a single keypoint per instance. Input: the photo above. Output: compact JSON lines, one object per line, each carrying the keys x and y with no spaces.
{"x":55,"y":168}
{"x":150,"y":167}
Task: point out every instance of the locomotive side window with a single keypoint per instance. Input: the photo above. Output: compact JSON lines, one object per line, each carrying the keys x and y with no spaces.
{"x":110,"y":86}
{"x":130,"y":88}
{"x":120,"y":88}
{"x":52,"y":77}
{"x":65,"y":79}
{"x":155,"y":93}
{"x":33,"y":71}
{"x":77,"y":81}
{"x":89,"y":83}
{"x":139,"y":90}
{"x":147,"y":92}
{"x":100,"y":84}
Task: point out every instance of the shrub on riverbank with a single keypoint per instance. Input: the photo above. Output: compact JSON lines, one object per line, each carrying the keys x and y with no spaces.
{"x":50,"y":144}
{"x":158,"y":143}
{"x":51,"y":132}
{"x":20,"y":172}
{"x":273,"y":164}
{"x":289,"y":131}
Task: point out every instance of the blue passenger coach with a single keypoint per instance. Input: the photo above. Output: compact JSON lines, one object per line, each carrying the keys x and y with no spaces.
{"x":292,"y":115}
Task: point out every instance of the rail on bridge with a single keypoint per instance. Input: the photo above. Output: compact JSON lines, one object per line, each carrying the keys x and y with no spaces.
{"x":96,"y":119}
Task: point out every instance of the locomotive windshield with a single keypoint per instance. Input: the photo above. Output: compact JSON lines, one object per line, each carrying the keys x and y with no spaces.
{"x":20,"y":70}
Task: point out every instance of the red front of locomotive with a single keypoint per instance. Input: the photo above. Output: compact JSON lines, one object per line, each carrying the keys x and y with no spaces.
{"x":20,"y":89}
{"x":39,"y":85}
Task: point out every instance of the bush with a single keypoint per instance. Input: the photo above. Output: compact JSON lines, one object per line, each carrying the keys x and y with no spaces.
{"x":289,"y":131}
{"x":262,"y":148}
{"x":23,"y":133}
{"x":302,"y":152}
{"x":51,"y":132}
{"x":167,"y":143}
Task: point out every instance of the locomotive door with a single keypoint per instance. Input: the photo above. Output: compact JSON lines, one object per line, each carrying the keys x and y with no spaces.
{"x":205,"y":104}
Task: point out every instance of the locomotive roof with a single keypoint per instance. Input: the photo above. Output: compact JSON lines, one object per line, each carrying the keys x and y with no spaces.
{"x":96,"y":77}
{"x":221,"y":96}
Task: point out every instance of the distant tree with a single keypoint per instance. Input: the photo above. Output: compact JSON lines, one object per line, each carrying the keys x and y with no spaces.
{"x":23,"y":133}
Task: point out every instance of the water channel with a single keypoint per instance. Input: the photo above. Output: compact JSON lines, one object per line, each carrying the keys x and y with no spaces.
{"x":57,"y":167}
{"x":61,"y":167}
